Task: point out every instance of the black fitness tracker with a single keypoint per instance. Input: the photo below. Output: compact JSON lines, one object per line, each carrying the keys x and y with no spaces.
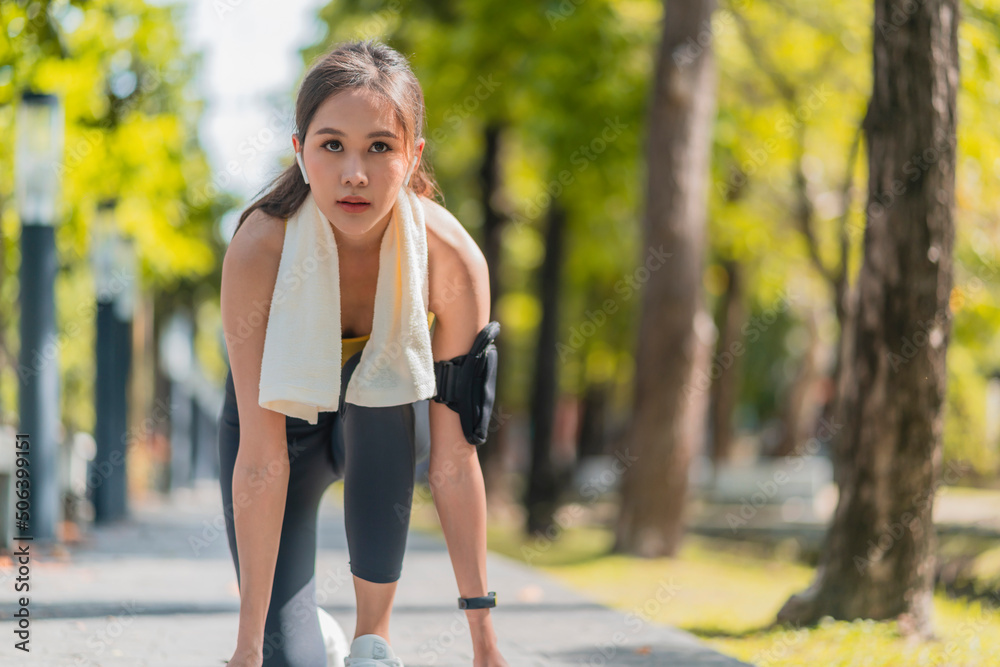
{"x":482,"y":602}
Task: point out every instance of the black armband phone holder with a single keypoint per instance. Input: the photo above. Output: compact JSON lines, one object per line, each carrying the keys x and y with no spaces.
{"x":467,"y":384}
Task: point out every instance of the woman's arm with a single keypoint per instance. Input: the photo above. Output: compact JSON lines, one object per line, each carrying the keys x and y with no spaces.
{"x":460,"y":301}
{"x":260,"y":476}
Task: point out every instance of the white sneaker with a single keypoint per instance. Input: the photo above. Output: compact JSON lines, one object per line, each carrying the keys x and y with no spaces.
{"x":334,"y":639}
{"x":371,"y":651}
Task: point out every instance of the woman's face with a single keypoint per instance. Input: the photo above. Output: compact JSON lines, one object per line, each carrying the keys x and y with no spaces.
{"x":354,"y":149}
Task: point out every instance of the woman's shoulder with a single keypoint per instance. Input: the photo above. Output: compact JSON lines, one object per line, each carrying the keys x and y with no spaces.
{"x":456,"y":264}
{"x":259,"y":239}
{"x":447,"y":239}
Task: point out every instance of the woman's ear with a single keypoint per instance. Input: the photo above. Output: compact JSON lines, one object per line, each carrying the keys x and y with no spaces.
{"x":420,"y":150}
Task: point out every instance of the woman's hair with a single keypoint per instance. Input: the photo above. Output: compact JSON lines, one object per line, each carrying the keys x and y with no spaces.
{"x":365,"y":64}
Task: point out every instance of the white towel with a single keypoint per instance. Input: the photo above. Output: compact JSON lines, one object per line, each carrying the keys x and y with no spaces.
{"x":301,"y":364}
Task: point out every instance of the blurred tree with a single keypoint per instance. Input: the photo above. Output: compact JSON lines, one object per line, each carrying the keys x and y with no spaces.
{"x":131,"y":133}
{"x":729,"y":319}
{"x":796,"y":93}
{"x":878,"y":560}
{"x":668,"y":424}
{"x":792,"y":98}
{"x":543,"y":486}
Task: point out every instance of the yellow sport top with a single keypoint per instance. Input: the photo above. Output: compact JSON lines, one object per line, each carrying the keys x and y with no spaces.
{"x":351,"y":346}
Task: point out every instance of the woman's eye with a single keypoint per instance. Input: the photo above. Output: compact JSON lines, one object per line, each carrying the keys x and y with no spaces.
{"x":386,"y":146}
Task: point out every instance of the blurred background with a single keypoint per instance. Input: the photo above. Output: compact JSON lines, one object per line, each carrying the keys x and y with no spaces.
{"x":675,"y":200}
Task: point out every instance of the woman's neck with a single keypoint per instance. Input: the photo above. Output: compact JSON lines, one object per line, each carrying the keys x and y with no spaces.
{"x":365,"y":244}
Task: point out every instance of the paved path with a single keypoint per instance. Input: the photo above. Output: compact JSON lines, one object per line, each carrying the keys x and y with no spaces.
{"x":141,"y":595}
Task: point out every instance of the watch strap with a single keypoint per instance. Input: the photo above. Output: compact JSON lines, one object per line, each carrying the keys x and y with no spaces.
{"x":481,"y":602}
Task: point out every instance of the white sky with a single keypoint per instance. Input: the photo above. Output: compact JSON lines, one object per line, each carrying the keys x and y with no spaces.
{"x":250,"y":69}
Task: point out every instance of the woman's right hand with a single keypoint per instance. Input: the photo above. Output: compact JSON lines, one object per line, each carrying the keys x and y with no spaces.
{"x":246,"y":657}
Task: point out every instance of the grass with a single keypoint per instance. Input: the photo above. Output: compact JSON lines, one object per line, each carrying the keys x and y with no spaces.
{"x":727,"y":593}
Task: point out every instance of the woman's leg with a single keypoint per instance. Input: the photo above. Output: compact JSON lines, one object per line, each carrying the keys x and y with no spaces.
{"x":292,"y":633}
{"x":378,"y":495}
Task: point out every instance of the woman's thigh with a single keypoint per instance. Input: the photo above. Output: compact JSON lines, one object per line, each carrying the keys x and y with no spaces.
{"x":379,"y":465}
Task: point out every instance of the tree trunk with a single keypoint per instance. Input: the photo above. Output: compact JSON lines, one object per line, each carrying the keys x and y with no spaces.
{"x":491,"y":454}
{"x":726,"y":387}
{"x":669,"y":406}
{"x":801,"y":402}
{"x":592,"y":439}
{"x":846,"y":300}
{"x":878,"y":561}
{"x":543,"y":485}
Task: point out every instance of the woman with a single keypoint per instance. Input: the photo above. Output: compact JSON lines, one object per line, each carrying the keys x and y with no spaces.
{"x":359,"y":118}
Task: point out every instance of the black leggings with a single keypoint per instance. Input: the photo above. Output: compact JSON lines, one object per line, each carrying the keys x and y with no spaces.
{"x":373,"y":450}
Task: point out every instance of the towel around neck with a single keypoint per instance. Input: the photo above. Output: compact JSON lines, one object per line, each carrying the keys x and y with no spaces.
{"x":301,"y":362}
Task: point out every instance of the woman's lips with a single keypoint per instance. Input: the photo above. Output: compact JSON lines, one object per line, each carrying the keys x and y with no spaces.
{"x":353,"y":207}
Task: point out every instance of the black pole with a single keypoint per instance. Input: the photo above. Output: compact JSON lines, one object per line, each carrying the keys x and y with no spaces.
{"x":107,"y":476}
{"x":100,"y":480}
{"x":123,"y":366}
{"x":38,"y":381}
{"x":180,"y":436}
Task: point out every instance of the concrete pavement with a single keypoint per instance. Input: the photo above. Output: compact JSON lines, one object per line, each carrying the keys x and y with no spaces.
{"x":160,"y":591}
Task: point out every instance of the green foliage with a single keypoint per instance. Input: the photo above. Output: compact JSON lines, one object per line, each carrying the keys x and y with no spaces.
{"x":130,"y":133}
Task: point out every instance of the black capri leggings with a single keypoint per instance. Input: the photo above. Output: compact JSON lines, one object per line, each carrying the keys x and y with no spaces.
{"x":374,"y":451}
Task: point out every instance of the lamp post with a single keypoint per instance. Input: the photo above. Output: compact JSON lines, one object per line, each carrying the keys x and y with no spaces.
{"x":177,"y":362}
{"x":38,"y":154}
{"x":114,"y":274}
